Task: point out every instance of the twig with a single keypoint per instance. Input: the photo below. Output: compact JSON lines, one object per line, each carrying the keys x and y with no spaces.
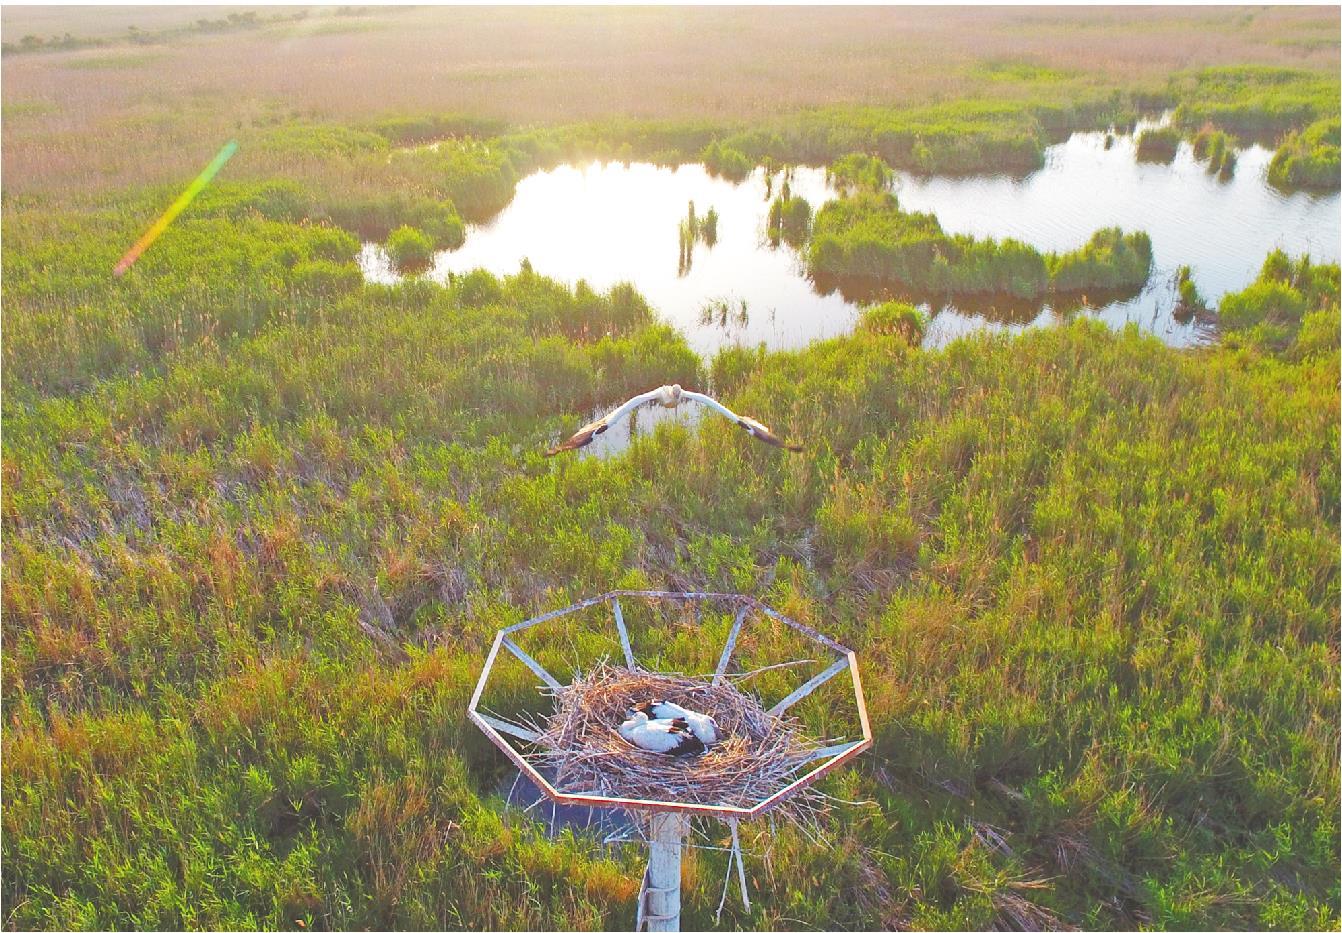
{"x":772,"y":667}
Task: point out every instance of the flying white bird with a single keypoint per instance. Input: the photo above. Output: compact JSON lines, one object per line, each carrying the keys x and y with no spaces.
{"x":704,"y":727}
{"x":669,"y":397}
{"x":668,"y":736}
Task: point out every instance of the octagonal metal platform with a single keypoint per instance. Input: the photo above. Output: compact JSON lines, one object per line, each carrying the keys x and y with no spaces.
{"x":826,"y":759}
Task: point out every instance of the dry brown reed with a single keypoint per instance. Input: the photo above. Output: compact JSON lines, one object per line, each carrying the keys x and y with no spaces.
{"x":165,"y":108}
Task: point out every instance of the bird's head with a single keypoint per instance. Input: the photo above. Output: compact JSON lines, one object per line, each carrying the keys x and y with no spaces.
{"x":670,"y":396}
{"x":636,"y":716}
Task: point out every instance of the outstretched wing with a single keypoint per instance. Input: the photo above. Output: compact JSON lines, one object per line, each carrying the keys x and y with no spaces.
{"x":588,"y":432}
{"x":750,"y":425}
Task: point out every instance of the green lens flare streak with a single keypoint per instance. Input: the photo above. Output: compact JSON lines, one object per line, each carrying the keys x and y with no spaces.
{"x":177,"y":207}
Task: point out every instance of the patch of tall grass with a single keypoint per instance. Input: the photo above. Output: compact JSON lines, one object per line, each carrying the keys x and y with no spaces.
{"x":1158,"y":145}
{"x":209,"y":280}
{"x":410,"y":249}
{"x":789,"y":219}
{"x":1191,"y":302}
{"x":868,"y":236}
{"x":322,"y":141}
{"x":1291,"y":300}
{"x":1254,"y":101}
{"x":723,"y":160}
{"x":1109,"y":261}
{"x":418,"y":130}
{"x":1218,"y":148}
{"x":374,"y":217}
{"x":894,"y":318}
{"x":695,"y":229}
{"x":1096,"y":577}
{"x":858,"y":171}
{"x":1308,"y":158}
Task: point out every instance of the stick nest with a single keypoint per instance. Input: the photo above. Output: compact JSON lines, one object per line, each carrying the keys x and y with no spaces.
{"x":755,"y":756}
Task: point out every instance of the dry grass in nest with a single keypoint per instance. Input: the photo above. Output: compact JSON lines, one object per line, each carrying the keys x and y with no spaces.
{"x":756,"y":755}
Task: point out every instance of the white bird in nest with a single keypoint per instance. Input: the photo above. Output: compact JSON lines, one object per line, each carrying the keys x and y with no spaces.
{"x":705,"y":728}
{"x":669,"y":397}
{"x":668,"y":736}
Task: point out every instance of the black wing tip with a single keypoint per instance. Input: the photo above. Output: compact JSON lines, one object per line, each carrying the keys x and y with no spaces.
{"x":573,"y":443}
{"x":762,"y":433}
{"x":691,"y":745}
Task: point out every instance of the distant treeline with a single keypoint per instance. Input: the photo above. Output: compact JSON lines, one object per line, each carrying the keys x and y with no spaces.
{"x":233,"y":22}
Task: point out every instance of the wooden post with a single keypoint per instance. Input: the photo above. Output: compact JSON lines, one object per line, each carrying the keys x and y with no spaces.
{"x":666,"y":839}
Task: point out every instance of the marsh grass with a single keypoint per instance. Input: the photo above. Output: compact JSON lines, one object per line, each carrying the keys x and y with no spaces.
{"x":1191,"y":303}
{"x":374,"y":217}
{"x":789,"y":219}
{"x":858,"y":171}
{"x":411,"y":250}
{"x":725,"y":313}
{"x":1218,"y":148}
{"x":1158,"y":145}
{"x":868,"y":238}
{"x":895,"y":318}
{"x":1273,"y":311}
{"x":694,"y":229}
{"x":1308,"y":158}
{"x":708,"y":227}
{"x":1049,"y":563}
{"x":730,"y":163}
{"x":977,"y":88}
{"x":1258,"y":102}
{"x":262,"y":520}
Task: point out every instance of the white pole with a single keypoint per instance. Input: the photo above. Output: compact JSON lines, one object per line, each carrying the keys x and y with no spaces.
{"x":667,"y":834}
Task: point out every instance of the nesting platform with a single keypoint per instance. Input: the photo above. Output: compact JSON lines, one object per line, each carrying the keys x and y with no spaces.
{"x":763,"y":761}
{"x":755,"y":756}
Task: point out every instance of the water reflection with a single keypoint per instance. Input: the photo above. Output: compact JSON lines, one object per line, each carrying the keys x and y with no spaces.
{"x":612,"y":223}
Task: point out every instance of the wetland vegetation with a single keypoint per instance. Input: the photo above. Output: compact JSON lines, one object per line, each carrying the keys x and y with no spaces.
{"x":1158,"y":145}
{"x":869,"y":237}
{"x":262,"y":518}
{"x":1308,"y":158}
{"x":1218,"y":148}
{"x":789,"y":219}
{"x":695,"y":229}
{"x":1292,"y":301}
{"x":409,"y":248}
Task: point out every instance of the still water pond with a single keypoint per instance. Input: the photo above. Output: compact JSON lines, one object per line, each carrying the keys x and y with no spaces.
{"x":613,"y":222}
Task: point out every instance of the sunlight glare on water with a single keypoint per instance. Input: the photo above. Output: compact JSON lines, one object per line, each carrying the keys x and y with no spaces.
{"x":1221,"y":229}
{"x":611,"y":223}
